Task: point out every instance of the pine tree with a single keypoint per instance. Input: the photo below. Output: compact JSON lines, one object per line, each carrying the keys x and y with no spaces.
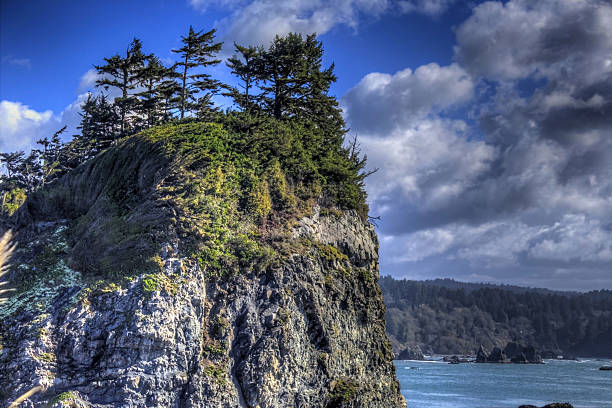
{"x":29,"y":172}
{"x":11,"y":162}
{"x":50,"y":165}
{"x":294,"y":83}
{"x":123,"y":74}
{"x":198,"y":50}
{"x":155,"y":78}
{"x":98,"y":127}
{"x":244,"y":66}
{"x":169,"y":92}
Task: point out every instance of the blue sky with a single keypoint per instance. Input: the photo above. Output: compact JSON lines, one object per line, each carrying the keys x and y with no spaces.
{"x":491,"y":122}
{"x":48,"y":46}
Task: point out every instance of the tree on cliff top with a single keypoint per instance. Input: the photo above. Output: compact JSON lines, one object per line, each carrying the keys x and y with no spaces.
{"x":199,"y":50}
{"x":123,"y":73}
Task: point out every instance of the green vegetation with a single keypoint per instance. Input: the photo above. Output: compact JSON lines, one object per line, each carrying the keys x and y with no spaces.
{"x":284,"y":116}
{"x":161,"y":163}
{"x":12,"y":200}
{"x":216,"y":372}
{"x":64,"y":396}
{"x":343,"y":390}
{"x":215,"y":349}
{"x":47,"y":357}
{"x":157,"y":282}
{"x":453,"y":317}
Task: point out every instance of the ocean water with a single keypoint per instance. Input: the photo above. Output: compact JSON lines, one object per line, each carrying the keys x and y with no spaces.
{"x":440,"y":385}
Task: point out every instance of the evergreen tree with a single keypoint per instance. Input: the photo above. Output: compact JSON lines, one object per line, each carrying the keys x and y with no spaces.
{"x":199,"y":50}
{"x":123,"y":73}
{"x":50,"y":165}
{"x":244,"y":66}
{"x":99,"y":126}
{"x":11,"y":162}
{"x":154,"y":77}
{"x":294,"y":83}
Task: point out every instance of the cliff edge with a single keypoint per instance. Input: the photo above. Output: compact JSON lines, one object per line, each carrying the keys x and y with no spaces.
{"x":175,"y":270}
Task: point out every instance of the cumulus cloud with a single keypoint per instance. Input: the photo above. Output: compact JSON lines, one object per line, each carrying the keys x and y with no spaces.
{"x":525,"y":196}
{"x":21,"y":126}
{"x":256,"y":22}
{"x":556,"y":39}
{"x":406,"y":97}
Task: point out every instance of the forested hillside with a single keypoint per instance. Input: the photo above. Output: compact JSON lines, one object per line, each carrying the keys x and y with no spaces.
{"x":449,"y":317}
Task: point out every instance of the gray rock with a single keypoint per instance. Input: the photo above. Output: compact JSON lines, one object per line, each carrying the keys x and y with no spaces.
{"x":290,"y":336}
{"x":522,"y":354}
{"x":411,"y":353}
{"x":497,"y":356}
{"x":482,"y":355}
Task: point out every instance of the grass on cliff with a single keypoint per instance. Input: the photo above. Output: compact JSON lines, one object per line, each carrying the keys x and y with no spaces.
{"x":228,"y":187}
{"x":220,"y":188}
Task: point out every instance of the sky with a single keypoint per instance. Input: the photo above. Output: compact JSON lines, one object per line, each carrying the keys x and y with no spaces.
{"x":490,"y":122}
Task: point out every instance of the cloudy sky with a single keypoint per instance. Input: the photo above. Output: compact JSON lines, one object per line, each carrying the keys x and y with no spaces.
{"x":490,"y":122}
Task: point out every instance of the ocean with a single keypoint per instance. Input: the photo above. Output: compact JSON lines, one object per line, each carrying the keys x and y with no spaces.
{"x":441,"y":385}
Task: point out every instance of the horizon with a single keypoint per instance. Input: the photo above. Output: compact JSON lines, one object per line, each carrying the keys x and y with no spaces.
{"x":494,"y":161}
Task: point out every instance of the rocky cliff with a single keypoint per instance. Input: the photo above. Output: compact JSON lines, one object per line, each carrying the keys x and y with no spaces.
{"x":154,"y":276}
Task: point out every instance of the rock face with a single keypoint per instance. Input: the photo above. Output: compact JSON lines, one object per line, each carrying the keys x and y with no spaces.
{"x":522,"y":354}
{"x":481,"y":355}
{"x":411,"y":353}
{"x":513,"y":352}
{"x":307,"y":331}
{"x":497,"y":356}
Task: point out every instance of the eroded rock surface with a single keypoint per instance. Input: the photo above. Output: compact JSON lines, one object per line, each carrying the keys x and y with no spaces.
{"x":306,"y":330}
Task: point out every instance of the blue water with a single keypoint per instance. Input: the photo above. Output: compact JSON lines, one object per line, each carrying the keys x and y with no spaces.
{"x":440,"y":385}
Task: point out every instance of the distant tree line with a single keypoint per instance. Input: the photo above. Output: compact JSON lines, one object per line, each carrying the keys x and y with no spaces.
{"x":444,"y":317}
{"x":285,"y":81}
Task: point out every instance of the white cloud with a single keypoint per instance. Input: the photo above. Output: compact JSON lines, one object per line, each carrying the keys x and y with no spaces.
{"x":88,"y":80}
{"x":21,"y":126}
{"x":575,"y":237}
{"x":528,"y":194}
{"x":381,"y":102}
{"x":256,"y":22}
{"x":427,"y":164}
{"x":554,"y":38}
{"x":429,"y":7}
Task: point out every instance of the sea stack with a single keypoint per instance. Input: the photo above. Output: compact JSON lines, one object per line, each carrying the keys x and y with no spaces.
{"x":167,"y":272}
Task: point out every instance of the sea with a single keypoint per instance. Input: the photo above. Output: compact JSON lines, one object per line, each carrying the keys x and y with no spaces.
{"x":436,"y":384}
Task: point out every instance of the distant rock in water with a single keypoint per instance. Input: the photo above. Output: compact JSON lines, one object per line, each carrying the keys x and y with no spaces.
{"x":456,"y":359}
{"x":606,"y":368}
{"x":522,"y":354}
{"x":553,"y":405}
{"x":497,"y":356}
{"x":411,"y":353}
{"x":481,"y":355}
{"x":513,"y":353}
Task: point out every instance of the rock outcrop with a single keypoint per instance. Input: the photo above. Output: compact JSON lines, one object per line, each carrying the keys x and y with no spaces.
{"x":605,"y":368}
{"x":411,"y":353}
{"x":481,"y":355}
{"x":497,"y":356}
{"x":117,"y":310}
{"x":522,"y":354}
{"x":512,"y":353}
